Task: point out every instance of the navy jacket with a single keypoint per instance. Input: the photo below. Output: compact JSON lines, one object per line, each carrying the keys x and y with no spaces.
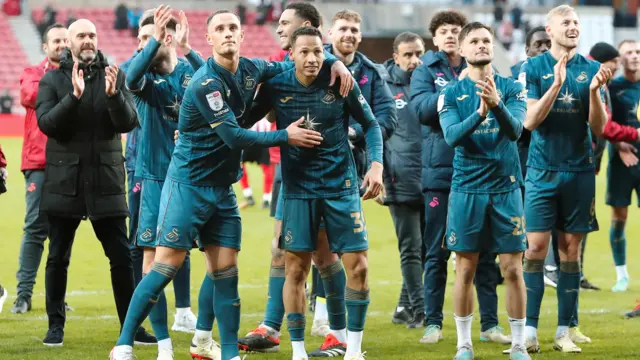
{"x":371,"y":78}
{"x":426,"y":82}
{"x":402,"y":152}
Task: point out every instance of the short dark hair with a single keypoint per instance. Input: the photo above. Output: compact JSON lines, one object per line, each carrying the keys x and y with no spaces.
{"x":306,"y":12}
{"x":150,"y":20}
{"x":470,"y":27}
{"x":405,"y":37}
{"x":45,"y":34}
{"x":451,"y":17}
{"x":305,"y":31}
{"x":527,"y":39}
{"x":223,"y":11}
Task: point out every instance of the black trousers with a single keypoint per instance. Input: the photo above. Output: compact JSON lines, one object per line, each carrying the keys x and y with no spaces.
{"x":112,"y":233}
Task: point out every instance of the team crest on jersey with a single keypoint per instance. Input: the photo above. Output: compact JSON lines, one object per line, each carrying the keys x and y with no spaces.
{"x":582,"y":77}
{"x":249,"y":83}
{"x":329,"y":98}
{"x":186,"y":80}
{"x":441,"y":82}
{"x":215,"y":100}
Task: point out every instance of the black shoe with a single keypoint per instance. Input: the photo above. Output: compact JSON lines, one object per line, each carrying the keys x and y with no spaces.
{"x":419,"y":320}
{"x":586,"y":285}
{"x":266,"y":204}
{"x":144,"y":338}
{"x":54,"y":337}
{"x":634,"y":313}
{"x":401,"y":317}
{"x":21,"y":305}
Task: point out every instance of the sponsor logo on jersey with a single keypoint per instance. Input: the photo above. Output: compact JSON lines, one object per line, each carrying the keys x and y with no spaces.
{"x":460,"y":98}
{"x":522,"y":95}
{"x":400,"y":104}
{"x":545,"y":77}
{"x":285,"y":99}
{"x":206,"y":82}
{"x":159,"y":81}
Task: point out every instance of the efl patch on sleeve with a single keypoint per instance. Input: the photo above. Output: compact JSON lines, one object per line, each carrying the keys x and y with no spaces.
{"x":440,"y":102}
{"x":215,"y":100}
{"x":522,"y":79}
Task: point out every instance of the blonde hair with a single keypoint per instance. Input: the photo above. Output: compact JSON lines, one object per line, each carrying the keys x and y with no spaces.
{"x":559,"y":10}
{"x":348,"y":15}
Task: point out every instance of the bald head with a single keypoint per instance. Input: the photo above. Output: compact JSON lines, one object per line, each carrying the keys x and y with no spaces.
{"x":83,"y":41}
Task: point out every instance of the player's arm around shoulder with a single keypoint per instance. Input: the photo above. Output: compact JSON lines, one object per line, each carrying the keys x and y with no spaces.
{"x":270,"y":69}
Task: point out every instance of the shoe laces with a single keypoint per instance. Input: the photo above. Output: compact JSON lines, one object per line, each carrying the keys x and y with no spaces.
{"x":260,"y":330}
{"x":329,"y":342}
{"x":577,"y":332}
{"x":431,"y":329}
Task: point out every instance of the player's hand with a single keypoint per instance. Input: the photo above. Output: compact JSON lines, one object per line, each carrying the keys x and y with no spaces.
{"x":182,"y":33}
{"x":161,"y":17}
{"x":346,"y":80}
{"x":380,"y":198}
{"x":463,"y":73}
{"x":373,"y":182}
{"x":488,"y":92}
{"x":601,"y":78}
{"x":110,"y":79}
{"x":4,"y":173}
{"x":302,"y":137}
{"x":483,"y":109}
{"x":560,"y":70}
{"x":77,"y":79}
{"x":627,"y":154}
{"x":175,"y":135}
{"x":352,"y":133}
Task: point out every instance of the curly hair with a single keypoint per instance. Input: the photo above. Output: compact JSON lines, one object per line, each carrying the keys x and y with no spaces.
{"x":451,"y":17}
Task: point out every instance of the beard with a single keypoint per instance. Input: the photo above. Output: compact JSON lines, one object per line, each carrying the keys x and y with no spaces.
{"x":85,"y":56}
{"x":482,"y":62}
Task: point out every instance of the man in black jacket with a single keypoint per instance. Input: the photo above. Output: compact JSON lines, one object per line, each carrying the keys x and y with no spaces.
{"x":402,"y":178}
{"x":83,"y":107}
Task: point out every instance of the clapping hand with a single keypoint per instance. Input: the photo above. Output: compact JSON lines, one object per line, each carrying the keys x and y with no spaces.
{"x":161,"y":17}
{"x":77,"y":79}
{"x":110,"y":79}
{"x":182,"y":33}
{"x":601,"y":78}
{"x":488,"y":92}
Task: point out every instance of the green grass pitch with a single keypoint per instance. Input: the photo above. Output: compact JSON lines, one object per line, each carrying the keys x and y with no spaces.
{"x":92,"y":328}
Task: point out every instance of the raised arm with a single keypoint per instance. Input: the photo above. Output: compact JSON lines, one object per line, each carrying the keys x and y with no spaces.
{"x":597,"y":109}
{"x":424,"y":96}
{"x":510,"y":114}
{"x":454,"y":128}
{"x":122,"y":110}
{"x":54,"y":114}
{"x":182,"y":38}
{"x":538,"y":105}
{"x":139,"y":66}
{"x":220,"y":117}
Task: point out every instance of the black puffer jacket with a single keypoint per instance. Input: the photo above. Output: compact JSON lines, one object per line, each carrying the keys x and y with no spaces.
{"x":84,"y":174}
{"x":403,"y":150}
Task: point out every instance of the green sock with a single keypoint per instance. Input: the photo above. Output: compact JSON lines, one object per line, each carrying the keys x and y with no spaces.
{"x":226,"y":305}
{"x":295,"y":324}
{"x":357,"y":304}
{"x":206,"y":316}
{"x":568,"y":291}
{"x":274,"y":312}
{"x":618,"y":242}
{"x":334,"y":280}
{"x":534,"y":281}
{"x":145,"y":296}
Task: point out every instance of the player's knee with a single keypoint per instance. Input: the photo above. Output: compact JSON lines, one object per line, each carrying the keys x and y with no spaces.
{"x":537,"y":250}
{"x":619,"y":213}
{"x":324,"y":259}
{"x":277,"y":256}
{"x":465,"y":273}
{"x":297,"y":269}
{"x":358,"y":268}
{"x":511,"y":270}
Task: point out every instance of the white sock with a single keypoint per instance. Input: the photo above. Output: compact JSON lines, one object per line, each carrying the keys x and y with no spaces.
{"x":202,"y":336}
{"x":321,"y":313}
{"x":298,"y":349}
{"x":399,"y":308}
{"x":562,"y":330}
{"x":621,"y":271}
{"x":266,"y":197}
{"x":517,"y":331}
{"x":165,"y":344}
{"x":354,"y":343}
{"x":530,"y":332}
{"x":341,"y":335}
{"x":550,"y":268}
{"x":247,"y":192}
{"x":236,"y":358}
{"x":463,"y":327}
{"x":183,"y":311}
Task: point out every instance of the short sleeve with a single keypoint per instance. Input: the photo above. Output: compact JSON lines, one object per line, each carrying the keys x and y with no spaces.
{"x":529,"y":81}
{"x":209,"y":99}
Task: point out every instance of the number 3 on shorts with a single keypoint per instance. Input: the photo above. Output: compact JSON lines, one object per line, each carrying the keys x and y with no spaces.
{"x":358,"y":220}
{"x":519,"y":225}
